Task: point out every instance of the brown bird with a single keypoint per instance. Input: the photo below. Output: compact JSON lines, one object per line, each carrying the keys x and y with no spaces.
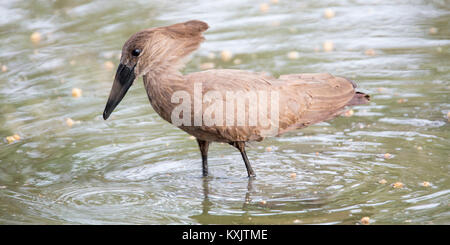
{"x":203,"y":98}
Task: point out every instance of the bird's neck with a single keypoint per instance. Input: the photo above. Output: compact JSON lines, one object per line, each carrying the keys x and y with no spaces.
{"x":160,"y":85}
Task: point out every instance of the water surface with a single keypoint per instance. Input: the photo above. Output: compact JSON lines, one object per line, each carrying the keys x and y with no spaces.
{"x":136,"y":168}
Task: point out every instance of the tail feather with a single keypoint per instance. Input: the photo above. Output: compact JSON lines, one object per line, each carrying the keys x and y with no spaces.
{"x":359,"y":99}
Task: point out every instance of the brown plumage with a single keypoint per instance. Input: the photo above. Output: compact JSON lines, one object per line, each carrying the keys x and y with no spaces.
{"x":158,"y":54}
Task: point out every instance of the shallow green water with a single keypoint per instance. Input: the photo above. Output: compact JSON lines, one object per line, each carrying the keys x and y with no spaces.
{"x":137,"y":169}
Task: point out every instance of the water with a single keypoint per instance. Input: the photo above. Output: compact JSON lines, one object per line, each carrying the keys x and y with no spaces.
{"x":137,"y":169}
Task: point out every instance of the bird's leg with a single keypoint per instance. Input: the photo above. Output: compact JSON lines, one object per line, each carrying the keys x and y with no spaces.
{"x":240,"y":145}
{"x":204,"y":145}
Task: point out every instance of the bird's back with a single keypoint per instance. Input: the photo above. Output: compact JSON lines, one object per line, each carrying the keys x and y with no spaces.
{"x":302,"y":99}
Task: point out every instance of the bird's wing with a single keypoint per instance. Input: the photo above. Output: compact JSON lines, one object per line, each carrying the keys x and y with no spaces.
{"x":303,"y":99}
{"x":321,"y":96}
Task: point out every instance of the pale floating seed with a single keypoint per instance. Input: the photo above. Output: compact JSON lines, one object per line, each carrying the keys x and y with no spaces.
{"x":328,"y":46}
{"x":211,"y":56}
{"x":398,"y":185}
{"x":293,"y":55}
{"x":433,"y":30}
{"x":226,"y":55}
{"x":365,"y":220}
{"x":264,"y":7}
{"x":36,"y":37}
{"x":329,"y":13}
{"x":10,"y":139}
{"x":108,"y":65}
{"x":349,"y":113}
{"x":76,"y":92}
{"x":370,"y":52}
{"x":426,"y":184}
{"x":69,"y":122}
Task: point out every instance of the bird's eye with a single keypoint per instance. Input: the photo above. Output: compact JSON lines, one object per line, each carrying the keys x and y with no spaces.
{"x":136,"y":52}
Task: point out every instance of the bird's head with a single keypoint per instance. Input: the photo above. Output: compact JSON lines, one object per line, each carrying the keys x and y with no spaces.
{"x":155,"y":50}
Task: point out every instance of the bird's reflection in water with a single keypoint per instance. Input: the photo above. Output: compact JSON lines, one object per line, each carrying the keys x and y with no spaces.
{"x":248,"y":213}
{"x":208,"y":217}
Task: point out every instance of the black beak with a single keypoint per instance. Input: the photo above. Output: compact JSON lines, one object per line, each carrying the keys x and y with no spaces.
{"x":122,"y":82}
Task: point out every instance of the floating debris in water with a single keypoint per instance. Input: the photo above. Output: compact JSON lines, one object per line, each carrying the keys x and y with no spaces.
{"x":292,"y":29}
{"x":12,"y":138}
{"x":4,"y":68}
{"x":207,"y":65}
{"x":365,"y":220}
{"x":36,"y":37}
{"x":419,"y":148}
{"x":226,"y":55}
{"x":329,"y":13}
{"x":328,"y":46}
{"x":274,"y":1}
{"x":76,"y":92}
{"x":370,"y":52}
{"x":387,"y":156}
{"x":264,"y":7}
{"x":297,"y":221}
{"x":263,"y":202}
{"x":293,"y":175}
{"x":69,"y":122}
{"x":426,"y":184}
{"x":448,"y":116}
{"x":382,"y":181}
{"x":400,"y":101}
{"x":433,"y":30}
{"x":398,"y":185}
{"x":237,"y":61}
{"x":275,"y":23}
{"x":72,"y":62}
{"x":293,"y":55}
{"x":211,"y":56}
{"x":349,"y":113}
{"x":108,"y":65}
{"x":191,"y":137}
{"x":268,"y":149}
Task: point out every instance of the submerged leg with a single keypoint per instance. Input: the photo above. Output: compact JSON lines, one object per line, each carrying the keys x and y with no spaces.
{"x":240,"y":145}
{"x":204,"y":145}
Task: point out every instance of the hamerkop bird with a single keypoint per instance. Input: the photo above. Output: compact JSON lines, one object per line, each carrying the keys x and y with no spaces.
{"x":158,"y":54}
